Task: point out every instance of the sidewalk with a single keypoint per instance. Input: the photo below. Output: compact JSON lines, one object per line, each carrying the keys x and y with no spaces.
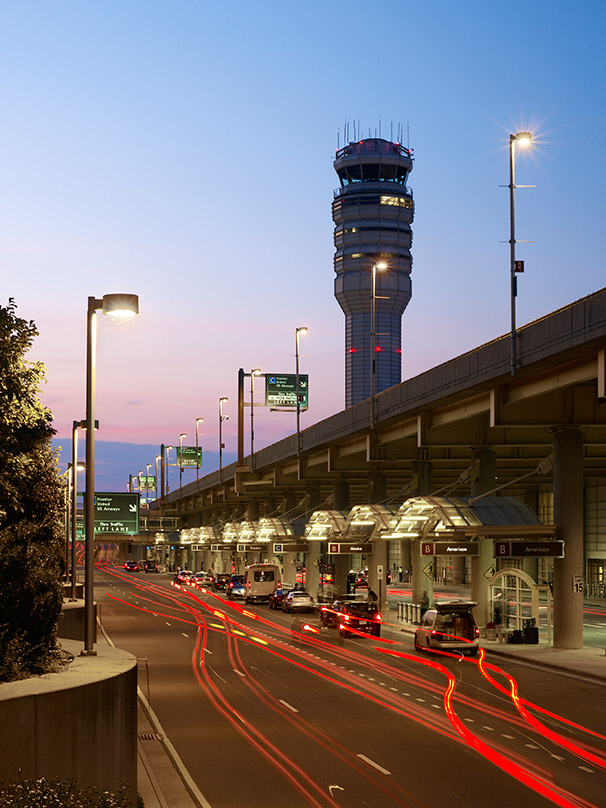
{"x":588,"y":662}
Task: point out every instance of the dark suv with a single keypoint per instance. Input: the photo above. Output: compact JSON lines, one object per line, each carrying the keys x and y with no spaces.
{"x":352,"y":617}
{"x":221,"y":581}
{"x":150,"y":566}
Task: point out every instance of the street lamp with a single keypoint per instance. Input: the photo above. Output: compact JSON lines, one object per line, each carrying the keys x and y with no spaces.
{"x":523,"y":139}
{"x":221,"y":446}
{"x":379,"y":267}
{"x":167,"y":448}
{"x":198,"y":421}
{"x":116,"y":305}
{"x":181,"y":436}
{"x":298,"y":331}
{"x":253,"y":373}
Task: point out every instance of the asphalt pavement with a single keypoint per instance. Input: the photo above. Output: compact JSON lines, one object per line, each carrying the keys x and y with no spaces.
{"x":163,"y":781}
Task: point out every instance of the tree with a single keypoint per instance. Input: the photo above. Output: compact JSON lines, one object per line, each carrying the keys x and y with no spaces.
{"x":31,"y":509}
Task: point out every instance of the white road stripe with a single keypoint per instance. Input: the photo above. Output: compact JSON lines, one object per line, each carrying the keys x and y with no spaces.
{"x":585,"y":769}
{"x":509,"y":737}
{"x":238,"y":672}
{"x":373,"y":764}
{"x":290,"y":707}
{"x":167,"y":623}
{"x":557,"y":757}
{"x":184,"y":635}
{"x":531,"y":746}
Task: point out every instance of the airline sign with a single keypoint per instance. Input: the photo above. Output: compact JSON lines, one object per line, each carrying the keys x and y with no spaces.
{"x":449,"y":548}
{"x":349,"y":547}
{"x":528,"y":549}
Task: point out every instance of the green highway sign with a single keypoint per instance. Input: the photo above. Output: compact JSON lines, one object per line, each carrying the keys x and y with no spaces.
{"x":117,"y":513}
{"x":189,"y":457}
{"x":281,"y":390}
{"x":147,"y":483}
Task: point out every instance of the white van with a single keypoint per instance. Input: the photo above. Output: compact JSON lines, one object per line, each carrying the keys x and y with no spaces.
{"x":260,"y":580}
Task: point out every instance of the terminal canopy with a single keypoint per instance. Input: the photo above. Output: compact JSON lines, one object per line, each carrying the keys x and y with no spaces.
{"x":324,"y":525}
{"x":425,"y":517}
{"x":364,"y":521}
{"x":274,"y":529}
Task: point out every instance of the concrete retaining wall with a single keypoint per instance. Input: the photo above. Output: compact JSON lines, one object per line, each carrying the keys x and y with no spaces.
{"x":80,"y":724}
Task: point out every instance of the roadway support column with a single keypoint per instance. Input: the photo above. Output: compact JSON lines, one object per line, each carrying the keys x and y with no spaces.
{"x":312,"y":558}
{"x":289,"y":572}
{"x":483,"y":564}
{"x":423,"y":566}
{"x":340,"y":502}
{"x":568,"y":515}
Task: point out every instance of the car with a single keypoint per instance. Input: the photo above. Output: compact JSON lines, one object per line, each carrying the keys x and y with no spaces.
{"x":221,"y":581}
{"x":183,"y":577}
{"x":150,"y":566}
{"x":131,"y":565}
{"x":203,"y":578}
{"x":235,"y":587}
{"x":352,"y":616}
{"x":449,"y":626}
{"x":277,"y":597}
{"x":298,"y":601}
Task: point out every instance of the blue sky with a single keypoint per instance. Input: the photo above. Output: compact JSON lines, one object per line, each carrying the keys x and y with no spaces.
{"x":183,"y":151}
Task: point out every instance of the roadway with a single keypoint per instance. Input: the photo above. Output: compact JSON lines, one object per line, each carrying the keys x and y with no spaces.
{"x":262,"y":709}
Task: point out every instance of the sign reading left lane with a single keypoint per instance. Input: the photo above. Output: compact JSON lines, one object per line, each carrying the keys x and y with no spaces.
{"x":117,"y":513}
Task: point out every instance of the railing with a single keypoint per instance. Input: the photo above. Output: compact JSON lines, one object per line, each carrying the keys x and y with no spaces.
{"x":364,"y":186}
{"x":409,"y":612}
{"x":596,"y":590}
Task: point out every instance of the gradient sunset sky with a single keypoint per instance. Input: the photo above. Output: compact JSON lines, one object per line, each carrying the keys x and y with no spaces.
{"x":183,"y":151}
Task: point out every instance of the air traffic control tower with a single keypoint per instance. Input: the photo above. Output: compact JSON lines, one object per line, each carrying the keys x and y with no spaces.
{"x":372,"y":211}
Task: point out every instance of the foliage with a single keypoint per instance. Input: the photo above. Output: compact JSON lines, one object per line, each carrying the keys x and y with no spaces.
{"x":58,"y":793}
{"x":31,"y":508}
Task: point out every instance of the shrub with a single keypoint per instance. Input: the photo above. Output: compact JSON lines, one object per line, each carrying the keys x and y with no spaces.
{"x":58,"y":793}
{"x":31,"y":510}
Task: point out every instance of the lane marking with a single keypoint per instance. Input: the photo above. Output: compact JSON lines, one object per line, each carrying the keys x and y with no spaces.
{"x":184,"y":634}
{"x":557,"y":757}
{"x":531,"y":746}
{"x":167,"y":623}
{"x":490,"y":729}
{"x":421,"y":700}
{"x":585,"y":769}
{"x":471,"y":720}
{"x":395,"y":689}
{"x":373,"y":764}
{"x":238,"y":672}
{"x":290,"y":707}
{"x":207,"y":651}
{"x":509,"y":737}
{"x":216,"y":674}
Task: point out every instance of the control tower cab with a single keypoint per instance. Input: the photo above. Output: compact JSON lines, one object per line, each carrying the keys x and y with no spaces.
{"x":373,"y":212}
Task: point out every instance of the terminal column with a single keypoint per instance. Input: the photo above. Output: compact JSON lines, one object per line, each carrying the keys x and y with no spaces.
{"x":379,"y":555}
{"x":483,"y":563}
{"x":568,"y":516}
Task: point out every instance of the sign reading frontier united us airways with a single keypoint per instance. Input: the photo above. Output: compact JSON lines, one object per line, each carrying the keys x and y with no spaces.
{"x":117,"y":513}
{"x":281,"y":390}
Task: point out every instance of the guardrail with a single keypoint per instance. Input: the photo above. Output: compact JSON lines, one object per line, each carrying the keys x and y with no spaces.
{"x":595,"y":590}
{"x":409,"y":612}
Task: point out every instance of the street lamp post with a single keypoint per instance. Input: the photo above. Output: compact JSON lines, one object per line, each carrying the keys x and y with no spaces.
{"x":523,"y":139}
{"x":298,"y":331}
{"x":381,"y":266}
{"x":198,"y":421}
{"x":158,"y":466}
{"x":253,"y":373}
{"x":181,"y":436}
{"x":221,"y":447}
{"x":167,"y":464}
{"x":116,"y":305}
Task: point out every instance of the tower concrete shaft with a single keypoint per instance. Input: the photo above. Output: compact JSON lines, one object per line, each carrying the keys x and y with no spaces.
{"x":373,"y":211}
